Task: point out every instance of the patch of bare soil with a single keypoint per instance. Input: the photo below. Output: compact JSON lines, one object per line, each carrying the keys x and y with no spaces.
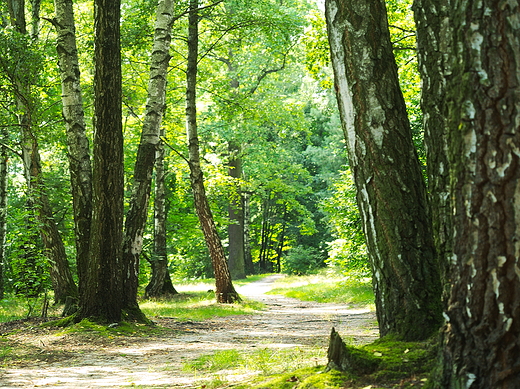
{"x":53,"y":359}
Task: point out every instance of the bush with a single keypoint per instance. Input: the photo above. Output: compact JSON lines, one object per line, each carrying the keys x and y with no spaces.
{"x":302,"y":260}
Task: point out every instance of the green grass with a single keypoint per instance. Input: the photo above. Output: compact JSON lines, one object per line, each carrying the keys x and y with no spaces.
{"x":265,"y":360}
{"x":196,"y":306}
{"x":326,"y":289}
{"x":16,"y":308}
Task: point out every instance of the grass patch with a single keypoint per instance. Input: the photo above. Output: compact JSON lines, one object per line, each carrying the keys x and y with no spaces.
{"x":196,"y":306}
{"x":110,"y":331}
{"x":17,"y":308}
{"x":265,"y":360}
{"x":326,"y":289}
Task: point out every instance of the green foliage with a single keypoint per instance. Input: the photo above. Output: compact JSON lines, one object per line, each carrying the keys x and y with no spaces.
{"x":347,"y":253}
{"x":302,"y":260}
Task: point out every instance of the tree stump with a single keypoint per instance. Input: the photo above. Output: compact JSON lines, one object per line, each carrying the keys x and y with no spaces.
{"x":349,"y":359}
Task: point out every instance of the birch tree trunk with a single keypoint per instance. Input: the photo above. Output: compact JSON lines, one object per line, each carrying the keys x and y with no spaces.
{"x":61,"y":276}
{"x":481,"y":338}
{"x":102,"y":297}
{"x":431,"y":18}
{"x":160,"y":283}
{"x":78,"y":145}
{"x":390,"y":190}
{"x":225,"y":291}
{"x":150,"y":138}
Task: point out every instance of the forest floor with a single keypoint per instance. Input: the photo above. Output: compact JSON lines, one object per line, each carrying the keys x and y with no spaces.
{"x":54,"y":358}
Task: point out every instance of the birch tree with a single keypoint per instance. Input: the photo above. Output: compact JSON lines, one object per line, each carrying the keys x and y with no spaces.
{"x":78,"y":144}
{"x":391,"y":193}
{"x":150,"y":138}
{"x":481,"y":337}
{"x":61,"y":276}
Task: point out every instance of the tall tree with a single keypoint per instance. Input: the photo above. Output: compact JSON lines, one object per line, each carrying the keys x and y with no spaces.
{"x":160,"y":282}
{"x":390,"y":190}
{"x":78,"y":144}
{"x":102,"y":297}
{"x":481,"y":337}
{"x":150,"y":139}
{"x":61,"y":276}
{"x":225,"y":291}
{"x":431,"y":20}
{"x":3,"y":203}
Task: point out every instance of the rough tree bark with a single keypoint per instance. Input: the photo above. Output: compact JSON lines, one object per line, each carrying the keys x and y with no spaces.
{"x":431,"y":18}
{"x":102,"y":297}
{"x":160,"y":282}
{"x":61,"y":276}
{"x":225,"y":291}
{"x":390,"y":190}
{"x":481,"y":344}
{"x":78,"y":144}
{"x":150,"y":138}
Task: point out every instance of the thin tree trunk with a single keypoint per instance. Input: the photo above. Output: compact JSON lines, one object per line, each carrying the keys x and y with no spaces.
{"x":248,"y":257}
{"x":225,"y":291}
{"x":3,"y":205}
{"x":236,"y":217}
{"x":102,"y":297}
{"x":390,"y":190}
{"x":160,"y":283}
{"x":150,"y":138}
{"x":78,"y":144}
{"x":481,"y":344}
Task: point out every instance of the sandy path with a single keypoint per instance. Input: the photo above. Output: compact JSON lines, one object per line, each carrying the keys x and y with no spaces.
{"x":157,"y":362}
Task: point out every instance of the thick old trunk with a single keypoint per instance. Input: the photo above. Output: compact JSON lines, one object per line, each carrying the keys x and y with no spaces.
{"x":432,"y":27}
{"x":102,"y":297}
{"x":225,"y":291}
{"x":160,"y":283}
{"x":481,"y":345}
{"x":77,"y":142}
{"x":150,"y":137}
{"x":390,"y":190}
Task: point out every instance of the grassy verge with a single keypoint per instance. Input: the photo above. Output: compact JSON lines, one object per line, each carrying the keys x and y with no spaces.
{"x":196,"y":306}
{"x":327,"y":289}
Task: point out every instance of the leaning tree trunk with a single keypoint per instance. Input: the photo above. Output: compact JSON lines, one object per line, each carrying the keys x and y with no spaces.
{"x":481,"y":344}
{"x":225,"y":291}
{"x":102,"y":297}
{"x":150,"y":138}
{"x":431,"y":18}
{"x":390,"y":190}
{"x":78,"y":144}
{"x":61,"y":276}
{"x":160,"y":282}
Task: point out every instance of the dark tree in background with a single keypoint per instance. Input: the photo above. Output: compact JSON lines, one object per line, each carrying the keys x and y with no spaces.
{"x":391,"y":193}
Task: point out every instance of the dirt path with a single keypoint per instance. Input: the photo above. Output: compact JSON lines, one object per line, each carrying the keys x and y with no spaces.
{"x":156,"y":362}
